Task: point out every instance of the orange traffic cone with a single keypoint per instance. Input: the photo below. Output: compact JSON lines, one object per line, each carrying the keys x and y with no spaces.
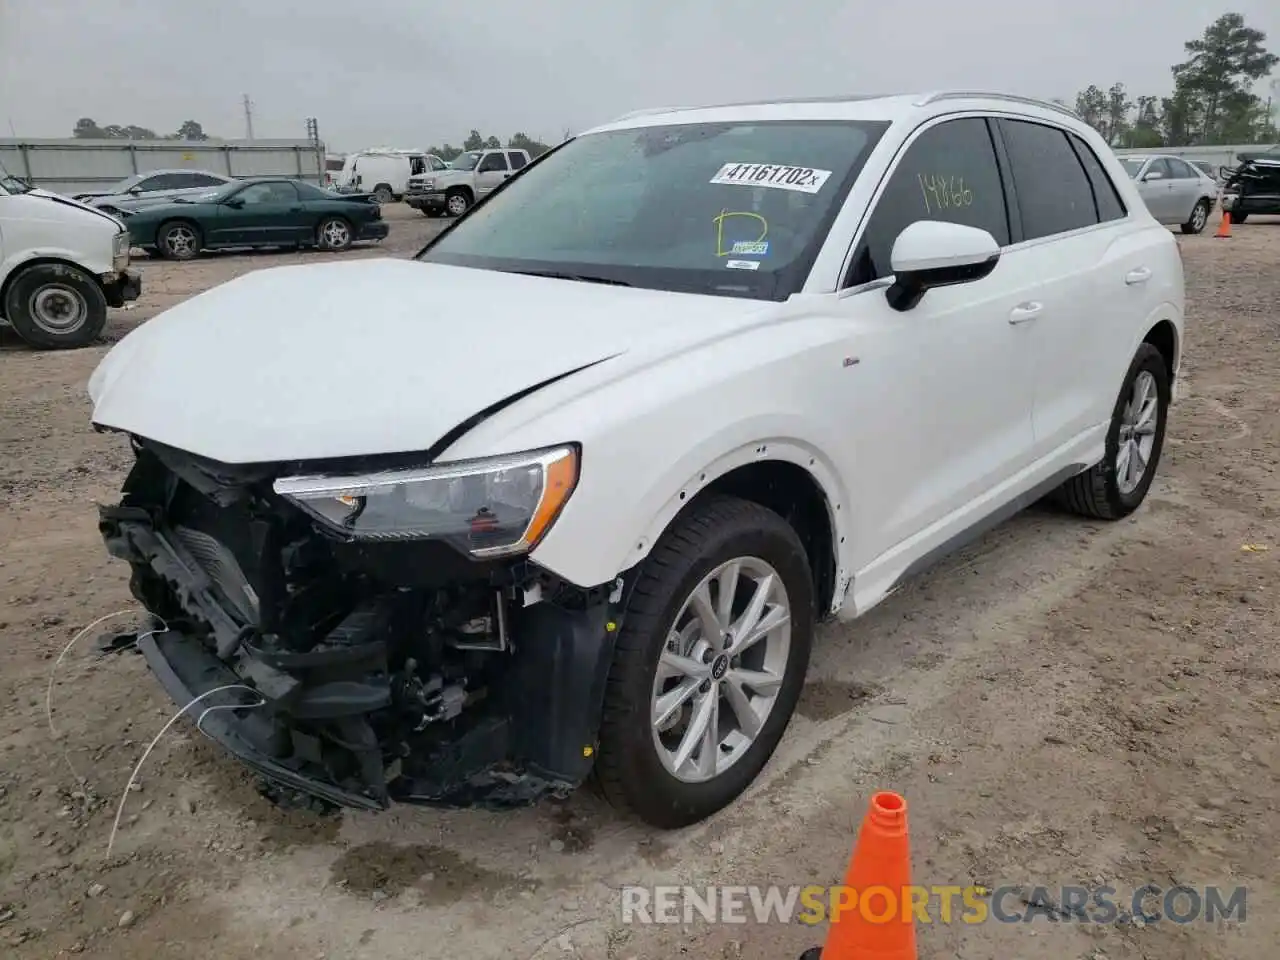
{"x":1224,"y":228}
{"x":879,"y":924}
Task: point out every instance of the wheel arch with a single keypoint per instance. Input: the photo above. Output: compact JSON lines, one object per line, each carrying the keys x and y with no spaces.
{"x":789,"y":476}
{"x":1163,"y":335}
{"x":41,"y":261}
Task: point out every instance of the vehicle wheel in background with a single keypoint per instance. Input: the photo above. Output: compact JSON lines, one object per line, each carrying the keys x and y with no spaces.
{"x":1116,"y":487}
{"x":56,"y":305}
{"x":708,"y":665}
{"x":1238,"y":217}
{"x":1199,"y":217}
{"x":457,"y":202}
{"x":179,"y":240}
{"x":334,"y":233}
{"x":382,"y":193}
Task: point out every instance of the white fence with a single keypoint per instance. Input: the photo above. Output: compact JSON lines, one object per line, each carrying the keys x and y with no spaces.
{"x":72,"y":165}
{"x":1217,"y":156}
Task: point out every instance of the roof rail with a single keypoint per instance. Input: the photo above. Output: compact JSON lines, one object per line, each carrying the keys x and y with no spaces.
{"x":1011,"y":97}
{"x":647,"y":111}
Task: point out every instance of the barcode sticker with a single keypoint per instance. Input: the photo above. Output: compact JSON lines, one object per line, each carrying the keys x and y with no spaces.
{"x":802,"y":179}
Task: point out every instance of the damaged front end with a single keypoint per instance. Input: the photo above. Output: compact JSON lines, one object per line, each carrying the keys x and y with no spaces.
{"x":402,"y":647}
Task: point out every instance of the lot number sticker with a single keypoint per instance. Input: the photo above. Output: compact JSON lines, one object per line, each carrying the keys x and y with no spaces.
{"x":801,"y":179}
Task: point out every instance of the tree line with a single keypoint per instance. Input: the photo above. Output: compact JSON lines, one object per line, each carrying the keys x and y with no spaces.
{"x":87,"y":128}
{"x":1212,"y":102}
{"x":476,"y":141}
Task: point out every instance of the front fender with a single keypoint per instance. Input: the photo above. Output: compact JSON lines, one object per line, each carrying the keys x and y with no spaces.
{"x":607,"y":530}
{"x":91,"y":264}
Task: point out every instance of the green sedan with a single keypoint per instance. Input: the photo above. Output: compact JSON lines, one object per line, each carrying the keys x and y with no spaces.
{"x":259,"y":212}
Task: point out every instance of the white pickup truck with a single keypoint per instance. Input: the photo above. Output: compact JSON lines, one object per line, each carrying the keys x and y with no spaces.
{"x":62,"y":263}
{"x":471,"y":176}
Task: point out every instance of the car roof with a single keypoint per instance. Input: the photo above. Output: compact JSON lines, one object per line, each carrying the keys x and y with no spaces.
{"x":207,"y":173}
{"x":874,"y":107}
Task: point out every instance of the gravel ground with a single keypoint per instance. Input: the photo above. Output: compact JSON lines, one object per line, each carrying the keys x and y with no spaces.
{"x":1063,"y":703}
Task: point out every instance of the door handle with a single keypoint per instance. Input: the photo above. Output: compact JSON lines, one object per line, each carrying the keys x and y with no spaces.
{"x":1140,"y":275}
{"x":1024,"y":312}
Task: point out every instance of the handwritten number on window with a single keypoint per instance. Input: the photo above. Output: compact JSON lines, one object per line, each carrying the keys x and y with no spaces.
{"x":943,"y":193}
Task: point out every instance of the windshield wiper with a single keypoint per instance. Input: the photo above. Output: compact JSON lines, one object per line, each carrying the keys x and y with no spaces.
{"x":580,"y":277}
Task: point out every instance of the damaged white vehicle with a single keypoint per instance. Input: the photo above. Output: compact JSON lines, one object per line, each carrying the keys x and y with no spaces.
{"x":566,"y":493}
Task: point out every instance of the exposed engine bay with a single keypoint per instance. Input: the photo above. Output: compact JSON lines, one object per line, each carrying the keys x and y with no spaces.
{"x":370,"y":672}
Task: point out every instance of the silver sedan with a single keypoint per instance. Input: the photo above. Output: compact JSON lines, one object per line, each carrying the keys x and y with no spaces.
{"x":1175,"y":192}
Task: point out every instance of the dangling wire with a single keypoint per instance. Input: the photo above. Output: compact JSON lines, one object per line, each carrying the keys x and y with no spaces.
{"x":165,"y":729}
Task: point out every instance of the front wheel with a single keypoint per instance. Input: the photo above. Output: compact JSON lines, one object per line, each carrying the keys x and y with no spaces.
{"x":457,"y":202}
{"x":334,"y":234}
{"x":56,"y":306}
{"x":382,"y":193}
{"x":1199,"y":217}
{"x":1116,"y":487}
{"x":709,"y":663}
{"x":1238,"y":217}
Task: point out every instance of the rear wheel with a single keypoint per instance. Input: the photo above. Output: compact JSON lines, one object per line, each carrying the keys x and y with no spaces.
{"x":1116,"y":487}
{"x":1199,"y":217}
{"x":179,"y":240}
{"x":56,"y":306}
{"x":382,"y":193}
{"x":709,"y":663}
{"x":334,"y":234}
{"x":1238,"y":217}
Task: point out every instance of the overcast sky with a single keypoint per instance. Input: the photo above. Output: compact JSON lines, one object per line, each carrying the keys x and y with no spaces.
{"x":410,"y":73}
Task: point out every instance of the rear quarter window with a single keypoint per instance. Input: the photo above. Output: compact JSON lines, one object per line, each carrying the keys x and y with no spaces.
{"x":1054,"y":193}
{"x":1105,"y":195}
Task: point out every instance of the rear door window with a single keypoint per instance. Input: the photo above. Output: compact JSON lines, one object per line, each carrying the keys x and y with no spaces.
{"x":1054,"y":193}
{"x":948,"y":173}
{"x":517,"y":159}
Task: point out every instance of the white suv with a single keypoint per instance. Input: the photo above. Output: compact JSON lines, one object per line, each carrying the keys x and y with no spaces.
{"x":567,"y":493}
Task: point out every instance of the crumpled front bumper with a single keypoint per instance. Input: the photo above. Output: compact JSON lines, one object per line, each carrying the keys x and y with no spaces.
{"x":187,"y":670}
{"x":122,"y":287}
{"x":539,"y":740}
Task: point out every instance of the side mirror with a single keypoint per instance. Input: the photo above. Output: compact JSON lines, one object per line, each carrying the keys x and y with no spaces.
{"x":134,"y":191}
{"x":933,"y":253}
{"x":1153,"y":175}
{"x":235,"y":203}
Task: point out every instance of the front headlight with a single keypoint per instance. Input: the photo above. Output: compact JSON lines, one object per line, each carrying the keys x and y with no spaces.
{"x":487,"y":508}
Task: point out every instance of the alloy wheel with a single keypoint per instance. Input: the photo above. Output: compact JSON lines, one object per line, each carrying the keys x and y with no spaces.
{"x":1138,"y":422}
{"x":721,"y":669}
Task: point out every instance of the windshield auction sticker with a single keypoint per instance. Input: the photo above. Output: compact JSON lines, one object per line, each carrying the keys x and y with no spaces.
{"x":802,"y":179}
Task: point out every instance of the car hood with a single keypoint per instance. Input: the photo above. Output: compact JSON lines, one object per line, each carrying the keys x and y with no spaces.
{"x":374,"y":356}
{"x":67,"y":201}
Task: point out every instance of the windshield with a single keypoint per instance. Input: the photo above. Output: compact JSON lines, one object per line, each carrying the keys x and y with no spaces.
{"x":1132,"y":165}
{"x":731,"y":209}
{"x":12,"y":186}
{"x":467,"y":161}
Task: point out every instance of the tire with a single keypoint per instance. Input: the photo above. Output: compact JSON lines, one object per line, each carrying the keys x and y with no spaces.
{"x":382,"y":193}
{"x":1198,"y":219}
{"x":179,"y":240}
{"x":457,"y":202}
{"x":630,"y":766}
{"x":1238,"y":217}
{"x":334,"y":233}
{"x":1099,"y":492}
{"x":55,"y":306}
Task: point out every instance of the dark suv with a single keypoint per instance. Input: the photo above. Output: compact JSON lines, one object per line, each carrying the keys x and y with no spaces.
{"x":1253,"y":186}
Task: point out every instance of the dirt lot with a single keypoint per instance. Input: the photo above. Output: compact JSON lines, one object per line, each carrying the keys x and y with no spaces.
{"x":1065,"y":703}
